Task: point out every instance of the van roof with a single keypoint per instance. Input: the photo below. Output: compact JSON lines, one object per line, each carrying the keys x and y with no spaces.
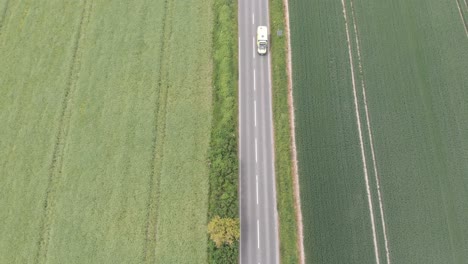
{"x":262,"y":32}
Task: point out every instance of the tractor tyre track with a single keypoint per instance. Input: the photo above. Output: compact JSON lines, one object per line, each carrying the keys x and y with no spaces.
{"x":369,"y":132}
{"x":360,"y":133}
{"x":159,"y":115}
{"x":55,"y":167}
{"x":3,"y":15}
{"x":462,"y":17}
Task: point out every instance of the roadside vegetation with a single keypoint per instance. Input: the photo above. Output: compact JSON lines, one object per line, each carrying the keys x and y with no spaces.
{"x":223,"y":159}
{"x":284,"y":182}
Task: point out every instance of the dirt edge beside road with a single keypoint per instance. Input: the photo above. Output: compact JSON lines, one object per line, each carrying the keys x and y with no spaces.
{"x":297,"y":197}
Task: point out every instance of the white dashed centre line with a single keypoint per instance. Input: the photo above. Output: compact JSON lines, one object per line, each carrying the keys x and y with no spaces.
{"x":258,"y":234}
{"x":254,"y":80}
{"x":253,"y":18}
{"x":255,"y":113}
{"x":253,"y":50}
{"x":257,"y":187}
{"x":256,"y":159}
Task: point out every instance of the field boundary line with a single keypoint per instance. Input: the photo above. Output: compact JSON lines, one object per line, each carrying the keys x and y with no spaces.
{"x":465,"y":26}
{"x":369,"y":131}
{"x":361,"y":144}
{"x":159,"y":114}
{"x":55,"y":168}
{"x":2,"y":17}
{"x":292,"y":127}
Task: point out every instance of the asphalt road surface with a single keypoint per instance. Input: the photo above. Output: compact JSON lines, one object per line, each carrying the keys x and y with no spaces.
{"x":259,"y":218}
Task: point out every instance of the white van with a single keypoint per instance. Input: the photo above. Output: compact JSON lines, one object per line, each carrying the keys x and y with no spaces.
{"x":262,"y":40}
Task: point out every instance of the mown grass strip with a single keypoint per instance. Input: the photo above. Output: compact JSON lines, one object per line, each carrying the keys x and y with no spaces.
{"x":284,"y":185}
{"x":223,"y":197}
{"x":184,"y":172}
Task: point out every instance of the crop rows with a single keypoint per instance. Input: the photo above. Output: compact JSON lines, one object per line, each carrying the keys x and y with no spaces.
{"x":104,"y":144}
{"x":401,"y":63}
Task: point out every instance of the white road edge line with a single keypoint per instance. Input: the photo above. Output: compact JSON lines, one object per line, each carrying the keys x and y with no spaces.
{"x":257,"y":187}
{"x":361,"y":144}
{"x":255,"y":113}
{"x":240,"y":122}
{"x":239,"y":94}
{"x":256,"y":160}
{"x":371,"y":141}
{"x":258,"y":234}
{"x":276,"y":220}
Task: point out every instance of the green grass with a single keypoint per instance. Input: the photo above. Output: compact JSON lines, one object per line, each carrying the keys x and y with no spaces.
{"x":223,"y":197}
{"x":106,"y":115}
{"x":32,"y":85}
{"x":285,"y":196}
{"x":413,"y":58}
{"x":182,"y":212}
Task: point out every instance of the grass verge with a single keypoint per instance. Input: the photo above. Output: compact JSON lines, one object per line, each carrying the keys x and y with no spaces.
{"x":284,"y":185}
{"x":223,"y":197}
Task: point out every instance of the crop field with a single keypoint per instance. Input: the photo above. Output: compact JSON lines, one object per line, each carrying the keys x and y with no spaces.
{"x":105,"y":117}
{"x":381,"y":101}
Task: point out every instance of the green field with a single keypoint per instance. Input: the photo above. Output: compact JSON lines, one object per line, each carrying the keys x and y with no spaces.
{"x":105,"y":120}
{"x":409,"y":62}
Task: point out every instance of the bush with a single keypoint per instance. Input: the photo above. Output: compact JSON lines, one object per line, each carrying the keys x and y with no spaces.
{"x":224,"y":231}
{"x":223,"y":197}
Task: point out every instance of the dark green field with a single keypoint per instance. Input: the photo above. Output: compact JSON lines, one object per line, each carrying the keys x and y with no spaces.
{"x":403,"y":149}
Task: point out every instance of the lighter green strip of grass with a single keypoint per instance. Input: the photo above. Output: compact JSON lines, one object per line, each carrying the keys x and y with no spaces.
{"x":181,"y":224}
{"x":285,"y":190}
{"x":34,"y":51}
{"x":56,"y":166}
{"x":101,"y":205}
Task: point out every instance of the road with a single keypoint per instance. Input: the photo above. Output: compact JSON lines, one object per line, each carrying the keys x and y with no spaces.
{"x":259,"y":218}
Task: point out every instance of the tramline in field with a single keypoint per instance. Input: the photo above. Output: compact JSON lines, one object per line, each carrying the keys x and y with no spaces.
{"x":103,"y":144}
{"x":381,"y":131}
